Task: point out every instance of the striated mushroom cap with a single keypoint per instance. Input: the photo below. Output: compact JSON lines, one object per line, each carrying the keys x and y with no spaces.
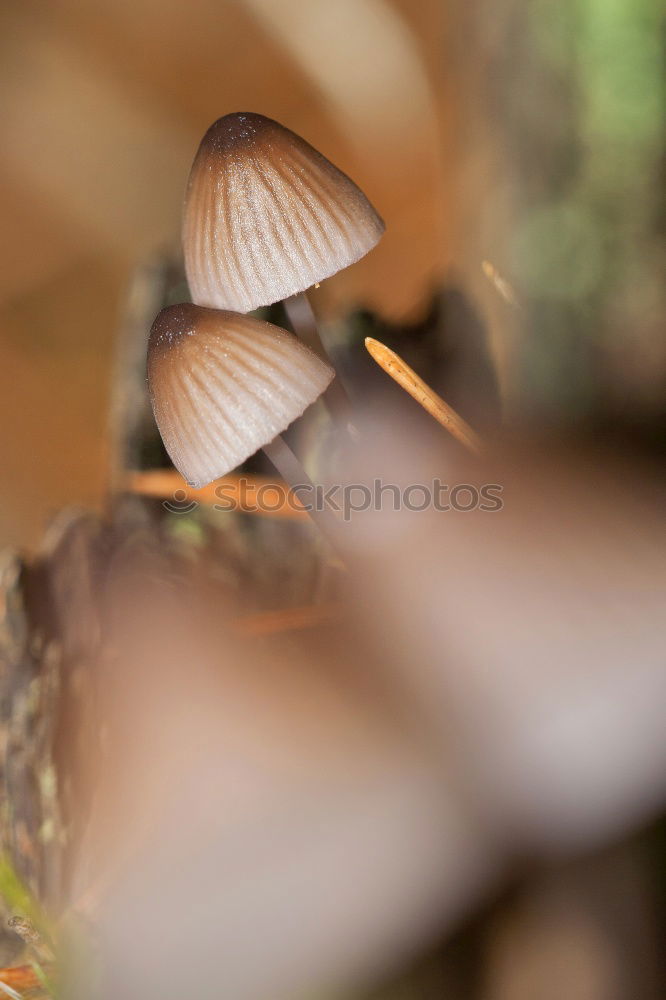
{"x":223,"y":385}
{"x":267,"y":216}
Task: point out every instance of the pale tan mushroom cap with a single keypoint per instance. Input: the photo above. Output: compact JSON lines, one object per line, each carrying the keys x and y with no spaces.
{"x":223,"y":385}
{"x":267,"y":216}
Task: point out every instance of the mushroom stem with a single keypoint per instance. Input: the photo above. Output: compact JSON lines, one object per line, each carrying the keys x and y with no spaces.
{"x":304,"y":324}
{"x":293,"y":473}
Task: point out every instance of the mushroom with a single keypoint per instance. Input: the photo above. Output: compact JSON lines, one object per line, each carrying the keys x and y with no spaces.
{"x":267,"y":216}
{"x":223,"y":385}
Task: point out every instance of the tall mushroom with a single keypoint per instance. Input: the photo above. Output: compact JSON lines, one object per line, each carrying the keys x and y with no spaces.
{"x":266,"y":217}
{"x":223,"y":385}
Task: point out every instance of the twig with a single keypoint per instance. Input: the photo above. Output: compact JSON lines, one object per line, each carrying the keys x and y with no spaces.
{"x":285,"y":620}
{"x":408,"y":380}
{"x":240,"y":490}
{"x":500,"y":284}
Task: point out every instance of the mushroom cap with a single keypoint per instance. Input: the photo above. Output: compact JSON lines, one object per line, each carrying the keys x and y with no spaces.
{"x":223,"y":385}
{"x":267,"y":216}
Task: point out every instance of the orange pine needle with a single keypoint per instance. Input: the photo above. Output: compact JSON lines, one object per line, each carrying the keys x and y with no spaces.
{"x":419,"y":390}
{"x":285,"y":620}
{"x":241,"y":491}
{"x":500,"y":284}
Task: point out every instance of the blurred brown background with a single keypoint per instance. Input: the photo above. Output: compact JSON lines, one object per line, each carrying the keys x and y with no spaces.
{"x":523,"y":136}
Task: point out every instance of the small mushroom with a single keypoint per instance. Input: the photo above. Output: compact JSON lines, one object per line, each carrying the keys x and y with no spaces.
{"x":267,"y":216}
{"x":224,"y":385}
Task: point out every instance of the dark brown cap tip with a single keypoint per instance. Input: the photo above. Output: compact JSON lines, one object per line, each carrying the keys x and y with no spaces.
{"x":239,"y":128}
